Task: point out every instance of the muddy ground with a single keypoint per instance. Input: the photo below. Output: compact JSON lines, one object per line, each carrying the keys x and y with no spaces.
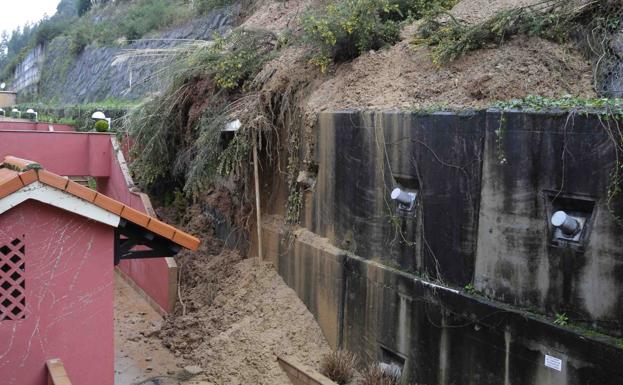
{"x":239,"y":317}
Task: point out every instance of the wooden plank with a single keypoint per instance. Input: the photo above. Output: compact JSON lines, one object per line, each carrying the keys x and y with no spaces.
{"x":302,"y":375}
{"x":56,"y":372}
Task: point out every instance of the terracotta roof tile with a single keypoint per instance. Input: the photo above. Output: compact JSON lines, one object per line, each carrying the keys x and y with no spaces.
{"x":161,"y":228}
{"x":52,"y":179}
{"x":28,"y":177}
{"x":19,"y":164}
{"x":81,"y":191}
{"x":9,"y":182}
{"x":135,"y":216}
{"x":186,"y":240}
{"x":16,"y":173}
{"x":108,"y":204}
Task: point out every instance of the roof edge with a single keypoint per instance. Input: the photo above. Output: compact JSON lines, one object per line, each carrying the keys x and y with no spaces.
{"x":27,"y":172}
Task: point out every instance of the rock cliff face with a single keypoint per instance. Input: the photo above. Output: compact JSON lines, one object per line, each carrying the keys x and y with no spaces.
{"x":93,"y":76}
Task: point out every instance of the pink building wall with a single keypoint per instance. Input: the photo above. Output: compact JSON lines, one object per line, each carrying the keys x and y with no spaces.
{"x":68,"y":296}
{"x":92,"y":154}
{"x":34,"y":126}
{"x":64,"y":153}
{"x":156,"y":277}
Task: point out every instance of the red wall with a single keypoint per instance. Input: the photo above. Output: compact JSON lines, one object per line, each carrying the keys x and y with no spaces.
{"x":32,"y":126}
{"x":151,"y":275}
{"x":66,"y":153}
{"x":92,"y":154}
{"x":69,"y":297}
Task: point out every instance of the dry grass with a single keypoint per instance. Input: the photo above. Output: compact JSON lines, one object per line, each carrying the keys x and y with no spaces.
{"x":339,"y":366}
{"x":375,"y":375}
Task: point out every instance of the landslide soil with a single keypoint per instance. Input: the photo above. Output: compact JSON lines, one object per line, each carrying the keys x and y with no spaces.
{"x":404,"y":77}
{"x":237,"y":315}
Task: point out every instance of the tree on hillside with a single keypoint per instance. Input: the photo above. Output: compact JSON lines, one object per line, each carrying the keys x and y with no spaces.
{"x":83,"y":6}
{"x":67,"y":8}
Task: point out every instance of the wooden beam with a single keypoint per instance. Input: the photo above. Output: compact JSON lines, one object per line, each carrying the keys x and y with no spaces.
{"x":257,"y":197}
{"x":302,"y":375}
{"x":56,"y":372}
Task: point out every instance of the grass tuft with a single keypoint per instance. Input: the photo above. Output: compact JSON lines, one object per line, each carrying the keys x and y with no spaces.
{"x":339,"y":366}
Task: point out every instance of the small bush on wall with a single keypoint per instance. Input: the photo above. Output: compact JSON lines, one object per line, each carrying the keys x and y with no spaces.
{"x":101,"y":126}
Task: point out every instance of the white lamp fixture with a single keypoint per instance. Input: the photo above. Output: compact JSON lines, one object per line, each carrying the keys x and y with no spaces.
{"x":30,"y":111}
{"x":567,"y":224}
{"x":232,"y":126}
{"x":405,"y":199}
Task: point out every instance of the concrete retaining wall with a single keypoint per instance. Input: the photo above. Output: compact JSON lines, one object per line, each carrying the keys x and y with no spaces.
{"x":390,"y":286}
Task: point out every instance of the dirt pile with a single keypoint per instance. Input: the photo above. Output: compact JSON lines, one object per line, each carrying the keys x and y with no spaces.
{"x":404,"y":78}
{"x":239,"y":316}
{"x":475,"y":11}
{"x":277,"y":16}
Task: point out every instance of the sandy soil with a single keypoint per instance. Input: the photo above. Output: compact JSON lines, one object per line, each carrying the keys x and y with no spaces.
{"x":239,"y":316}
{"x":277,"y":16}
{"x":404,"y":77}
{"x":474,"y":11}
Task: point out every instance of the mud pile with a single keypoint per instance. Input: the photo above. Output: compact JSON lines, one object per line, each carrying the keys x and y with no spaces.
{"x":404,"y":77}
{"x":239,"y":316}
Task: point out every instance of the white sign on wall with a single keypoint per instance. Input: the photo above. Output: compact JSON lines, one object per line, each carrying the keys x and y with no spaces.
{"x":553,"y":362}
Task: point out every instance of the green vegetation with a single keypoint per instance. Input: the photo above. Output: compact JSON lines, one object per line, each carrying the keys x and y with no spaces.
{"x":174,"y":141}
{"x":101,"y":126}
{"x":561,"y":319}
{"x":123,"y":22}
{"x":343,"y":30}
{"x":99,"y":22}
{"x":205,"y":6}
{"x":604,"y":106}
{"x":470,"y":289}
{"x":453,"y":38}
{"x":591,"y":25}
{"x":79,"y":116}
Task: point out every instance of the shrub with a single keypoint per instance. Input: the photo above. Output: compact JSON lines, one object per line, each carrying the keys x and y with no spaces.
{"x":556,"y":20}
{"x":83,"y":6}
{"x":101,"y":126}
{"x":81,"y":36}
{"x":339,"y":366}
{"x":344,"y":30}
{"x":205,"y":6}
{"x":375,"y":375}
{"x":48,"y":29}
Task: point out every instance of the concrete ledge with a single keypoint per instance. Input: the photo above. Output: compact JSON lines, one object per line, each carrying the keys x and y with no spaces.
{"x":300,"y":374}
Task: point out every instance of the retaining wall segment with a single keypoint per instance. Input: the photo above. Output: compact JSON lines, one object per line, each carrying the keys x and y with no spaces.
{"x":483,"y":181}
